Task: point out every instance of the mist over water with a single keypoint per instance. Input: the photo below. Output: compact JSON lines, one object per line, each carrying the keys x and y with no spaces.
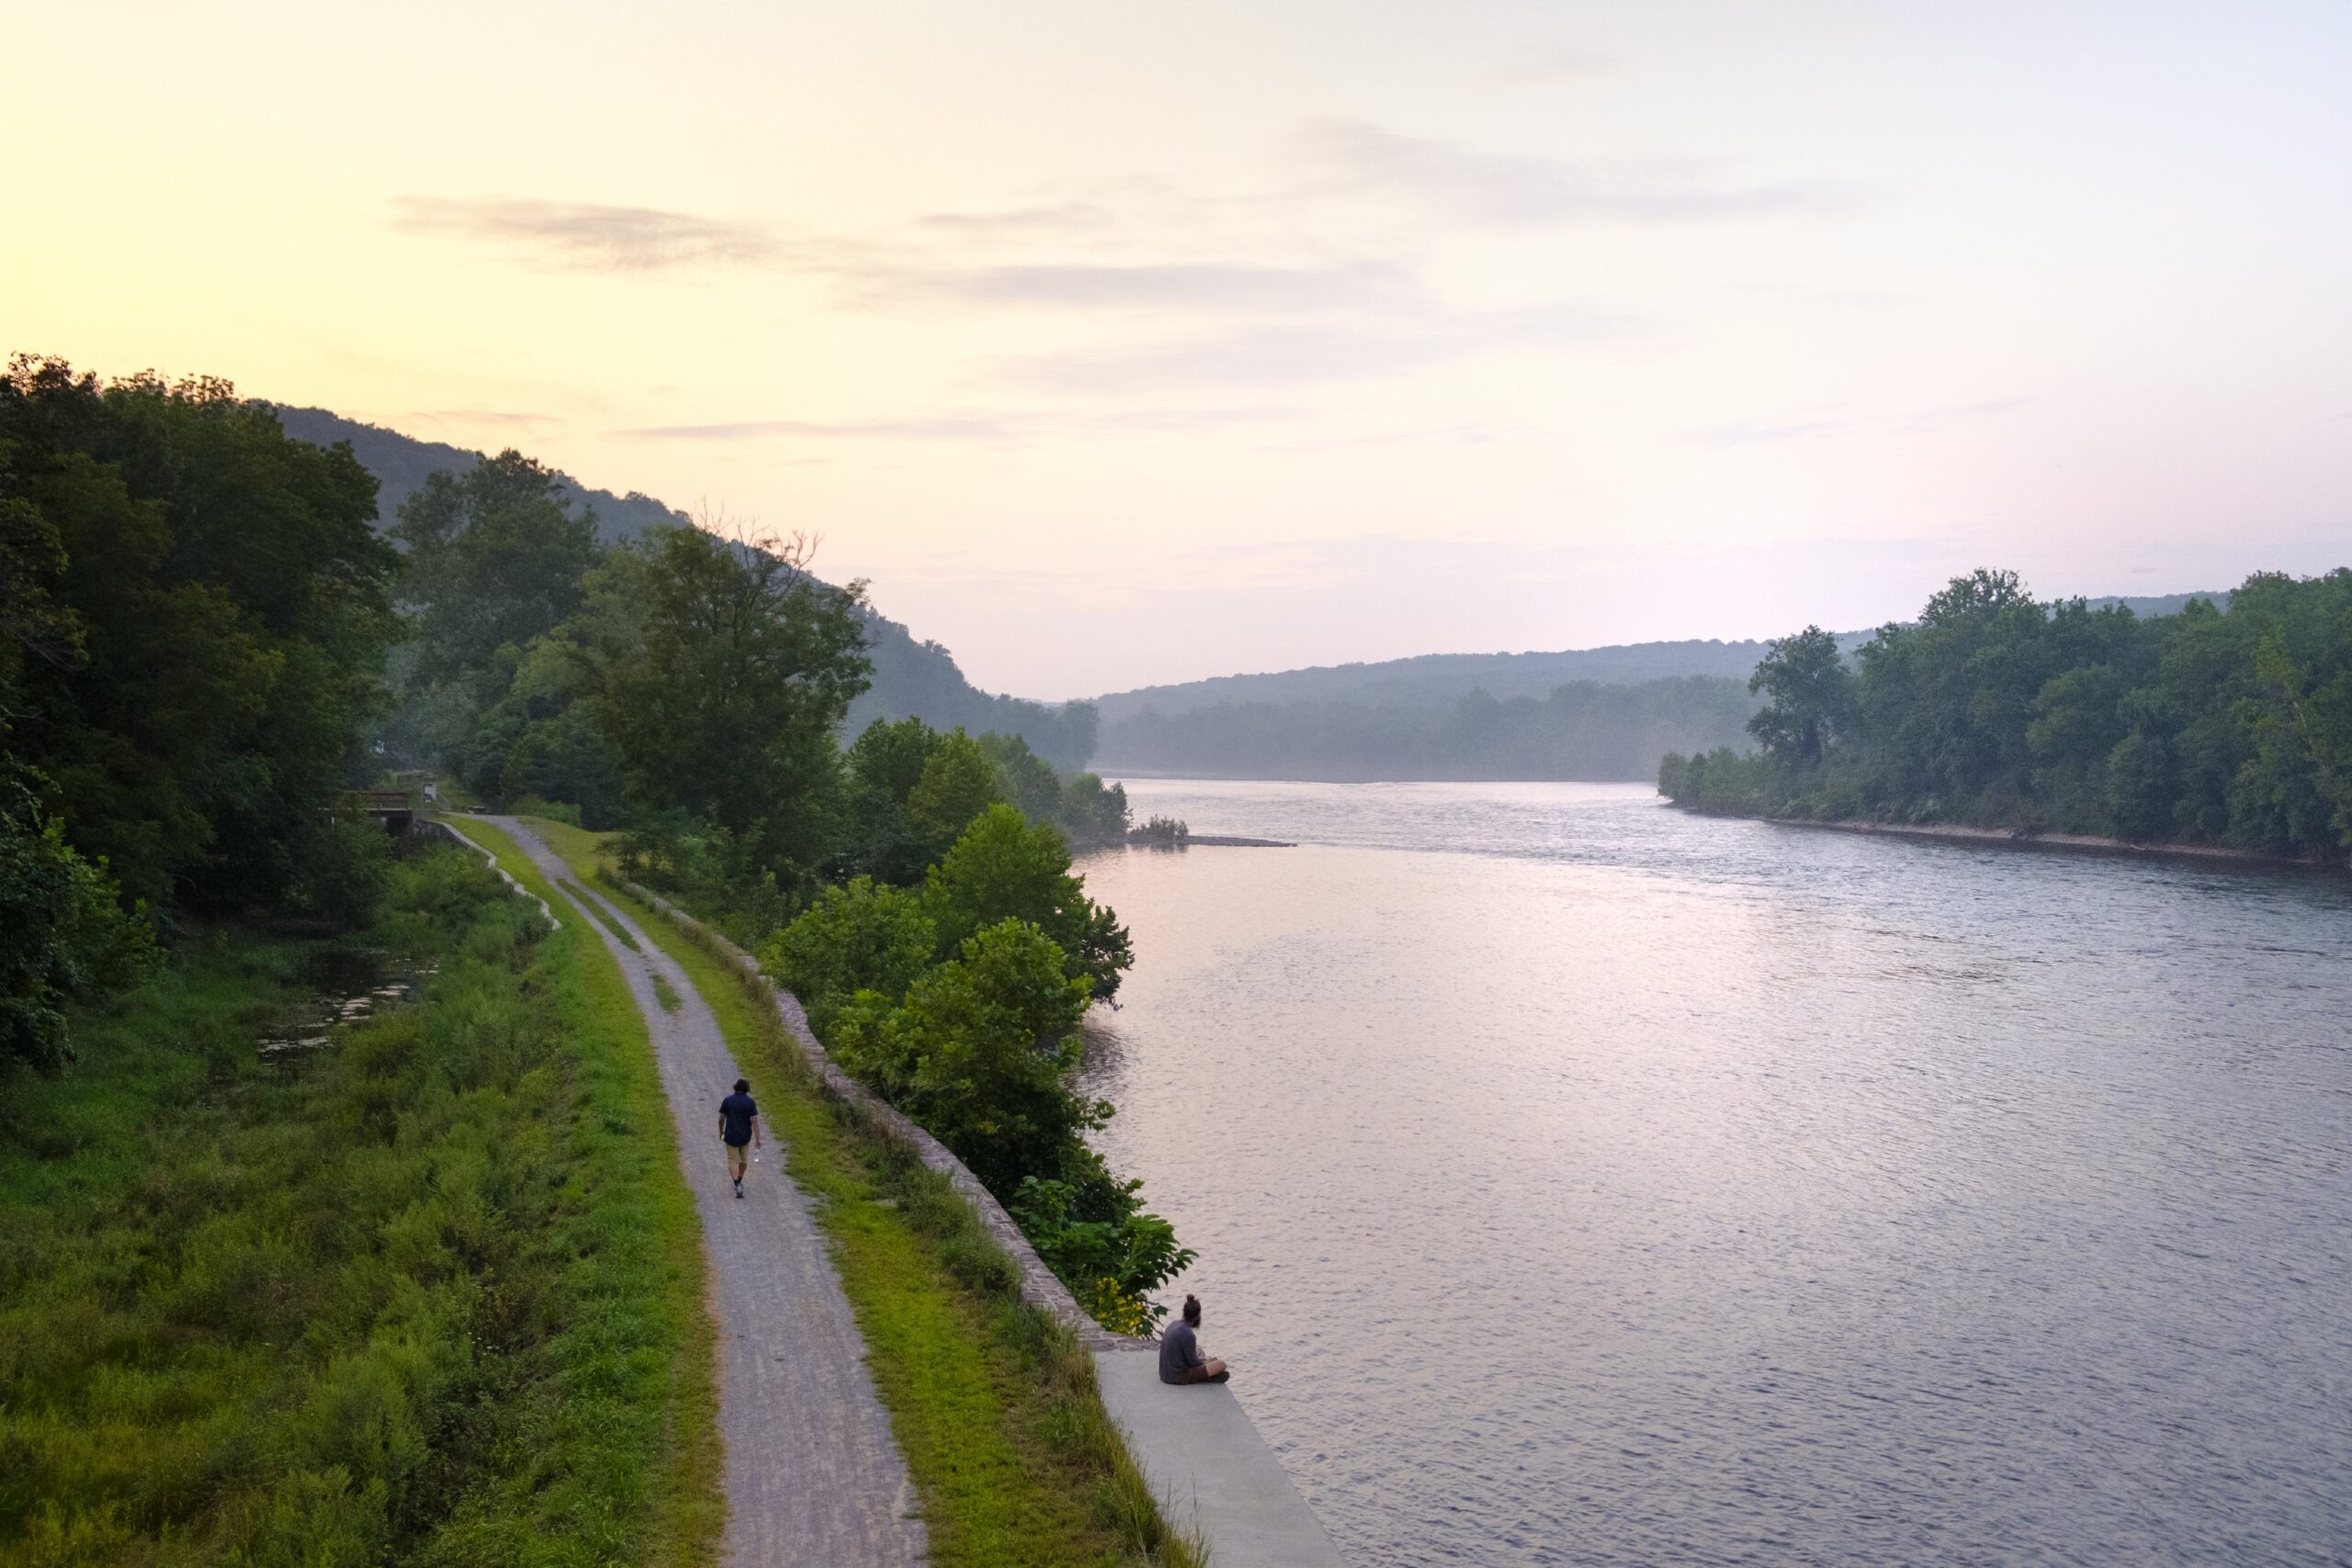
{"x":1580,"y":1182}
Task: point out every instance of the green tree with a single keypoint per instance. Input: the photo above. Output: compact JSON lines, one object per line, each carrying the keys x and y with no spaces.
{"x":862,"y":937}
{"x":2141,"y":788}
{"x":958,"y":781}
{"x":494,"y":560}
{"x":1006,"y":868}
{"x":982,"y":1053}
{"x":1025,"y":778}
{"x":2212,"y":726}
{"x":199,"y":614}
{"x":1093,"y":812}
{"x":727,"y":704}
{"x":67,"y":935}
{"x":1812,"y":698}
{"x":880,"y":835}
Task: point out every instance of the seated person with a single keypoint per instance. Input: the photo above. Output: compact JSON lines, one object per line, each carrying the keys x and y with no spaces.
{"x":1180,"y":1351}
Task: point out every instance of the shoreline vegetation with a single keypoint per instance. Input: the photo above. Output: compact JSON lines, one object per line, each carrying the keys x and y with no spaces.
{"x":2224,"y":734}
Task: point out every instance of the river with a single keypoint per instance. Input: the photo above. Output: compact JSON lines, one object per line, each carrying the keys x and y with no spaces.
{"x":1580,"y":1182}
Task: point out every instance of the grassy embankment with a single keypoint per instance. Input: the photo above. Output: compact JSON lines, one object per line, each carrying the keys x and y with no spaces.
{"x":993,"y":1404}
{"x":431,"y":1295}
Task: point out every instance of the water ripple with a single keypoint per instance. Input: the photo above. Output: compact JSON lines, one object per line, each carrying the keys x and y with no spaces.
{"x":1581,"y":1182}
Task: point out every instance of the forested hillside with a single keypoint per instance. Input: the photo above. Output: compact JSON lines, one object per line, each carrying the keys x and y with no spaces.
{"x":2216,"y":725}
{"x":911,"y":677}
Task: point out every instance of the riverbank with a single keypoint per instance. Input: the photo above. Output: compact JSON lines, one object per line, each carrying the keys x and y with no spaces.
{"x":2024,"y":838}
{"x":992,"y":1399}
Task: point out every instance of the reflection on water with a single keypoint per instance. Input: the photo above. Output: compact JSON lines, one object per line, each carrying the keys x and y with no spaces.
{"x":1580,"y":1181}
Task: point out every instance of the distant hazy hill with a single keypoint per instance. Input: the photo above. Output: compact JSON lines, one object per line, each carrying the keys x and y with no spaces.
{"x":1599,"y":713}
{"x":402,"y":464}
{"x":1581,"y":729}
{"x":911,"y":676}
{"x":1433,"y":679}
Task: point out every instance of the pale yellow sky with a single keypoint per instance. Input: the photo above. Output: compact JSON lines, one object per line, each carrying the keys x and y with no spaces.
{"x":1119,"y":344}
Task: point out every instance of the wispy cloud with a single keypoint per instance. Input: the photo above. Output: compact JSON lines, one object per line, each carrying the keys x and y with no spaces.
{"x":485,"y":416}
{"x":1464,"y":183}
{"x":1005,"y":427}
{"x":1213,"y":288}
{"x":1295,"y":355}
{"x":1184,"y":421}
{"x":588,"y":236}
{"x":941,"y":427}
{"x":1052,"y":221}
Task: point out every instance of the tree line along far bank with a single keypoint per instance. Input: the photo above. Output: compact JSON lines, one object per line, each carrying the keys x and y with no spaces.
{"x":2227,"y":728}
{"x":204,"y":640}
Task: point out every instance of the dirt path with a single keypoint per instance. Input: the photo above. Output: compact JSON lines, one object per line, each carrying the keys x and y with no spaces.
{"x":812,"y":1474}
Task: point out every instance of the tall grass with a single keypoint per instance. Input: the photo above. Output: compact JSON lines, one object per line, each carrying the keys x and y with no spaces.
{"x":430,"y":1295}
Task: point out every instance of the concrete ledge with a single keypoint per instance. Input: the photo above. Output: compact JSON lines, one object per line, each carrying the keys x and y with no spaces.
{"x":1208,"y":1467}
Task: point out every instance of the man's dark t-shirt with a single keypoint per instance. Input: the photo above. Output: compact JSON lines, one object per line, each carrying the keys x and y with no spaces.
{"x":1178,"y":1352}
{"x":738,"y":1111}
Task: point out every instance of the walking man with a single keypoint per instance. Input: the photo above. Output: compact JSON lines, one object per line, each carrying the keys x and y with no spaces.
{"x":739,"y":1124}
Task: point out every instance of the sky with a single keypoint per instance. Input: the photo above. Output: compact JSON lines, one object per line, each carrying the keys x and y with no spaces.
{"x":1115,"y":344}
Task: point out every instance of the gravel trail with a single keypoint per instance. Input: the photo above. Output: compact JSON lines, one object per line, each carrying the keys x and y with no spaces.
{"x":812,"y":1474}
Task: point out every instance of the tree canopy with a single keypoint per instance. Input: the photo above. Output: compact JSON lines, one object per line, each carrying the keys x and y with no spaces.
{"x":2209,"y":727}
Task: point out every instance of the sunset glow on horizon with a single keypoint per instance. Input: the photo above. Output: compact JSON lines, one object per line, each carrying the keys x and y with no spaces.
{"x":1117,"y":346}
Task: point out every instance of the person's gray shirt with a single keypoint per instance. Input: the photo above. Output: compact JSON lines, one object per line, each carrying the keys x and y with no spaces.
{"x":1178,"y":1352}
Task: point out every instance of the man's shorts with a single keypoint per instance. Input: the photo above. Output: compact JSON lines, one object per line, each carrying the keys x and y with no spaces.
{"x":736,"y":1155}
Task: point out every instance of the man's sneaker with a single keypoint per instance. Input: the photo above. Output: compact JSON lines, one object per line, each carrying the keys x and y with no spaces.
{"x":739,"y":1190}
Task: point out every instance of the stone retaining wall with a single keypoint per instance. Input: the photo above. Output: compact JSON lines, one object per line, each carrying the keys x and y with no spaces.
{"x":1039,"y":1287}
{"x":430,"y":824}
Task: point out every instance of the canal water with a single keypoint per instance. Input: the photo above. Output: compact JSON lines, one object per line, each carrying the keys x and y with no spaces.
{"x":1580,"y":1182}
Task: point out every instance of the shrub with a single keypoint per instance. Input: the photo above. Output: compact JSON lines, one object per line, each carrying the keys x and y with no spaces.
{"x":981,"y":1053}
{"x":67,"y":936}
{"x":343,"y":868}
{"x":1093,"y":1233}
{"x":1005,"y":868}
{"x":858,"y":937}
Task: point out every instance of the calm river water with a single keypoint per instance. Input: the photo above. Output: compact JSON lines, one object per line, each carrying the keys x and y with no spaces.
{"x":1580,"y":1181}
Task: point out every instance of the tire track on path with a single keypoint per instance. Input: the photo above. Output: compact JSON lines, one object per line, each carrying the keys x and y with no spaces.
{"x":812,"y":1474}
